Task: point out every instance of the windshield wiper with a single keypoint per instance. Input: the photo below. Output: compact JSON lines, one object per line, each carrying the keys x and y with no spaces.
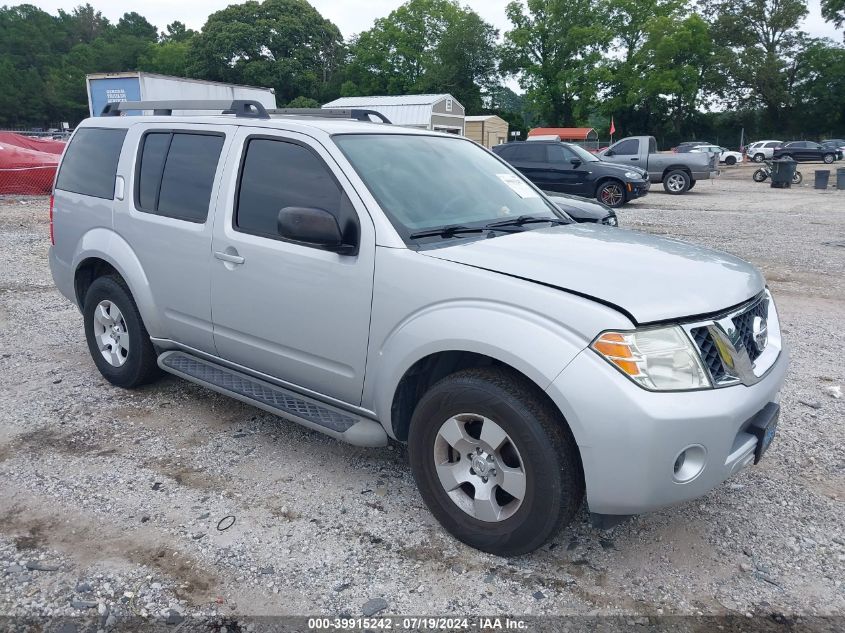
{"x":448,"y":231}
{"x":524,"y":219}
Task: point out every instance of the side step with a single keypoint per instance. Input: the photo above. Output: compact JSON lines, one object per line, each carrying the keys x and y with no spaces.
{"x":318,"y":416}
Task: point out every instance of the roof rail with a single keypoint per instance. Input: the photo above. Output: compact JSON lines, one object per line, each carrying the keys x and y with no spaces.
{"x":333,"y":113}
{"x":241,"y":108}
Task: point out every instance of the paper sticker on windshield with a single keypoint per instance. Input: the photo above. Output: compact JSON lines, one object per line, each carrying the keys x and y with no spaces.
{"x":519,"y":186}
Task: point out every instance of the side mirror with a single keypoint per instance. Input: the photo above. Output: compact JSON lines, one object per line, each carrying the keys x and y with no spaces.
{"x":313,"y":227}
{"x":575,"y":161}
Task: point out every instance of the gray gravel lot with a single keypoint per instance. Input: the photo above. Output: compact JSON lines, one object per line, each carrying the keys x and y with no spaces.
{"x":110,"y":499}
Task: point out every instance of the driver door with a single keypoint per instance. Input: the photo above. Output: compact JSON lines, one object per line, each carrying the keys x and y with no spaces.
{"x":294,"y":312}
{"x":568,"y":173}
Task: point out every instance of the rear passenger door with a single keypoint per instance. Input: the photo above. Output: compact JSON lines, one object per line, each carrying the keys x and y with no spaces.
{"x":164,"y":215}
{"x":289,"y":310}
{"x":529,"y":158}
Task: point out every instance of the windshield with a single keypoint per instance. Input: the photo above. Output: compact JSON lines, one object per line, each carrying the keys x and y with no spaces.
{"x":428,"y":182}
{"x":583,"y":154}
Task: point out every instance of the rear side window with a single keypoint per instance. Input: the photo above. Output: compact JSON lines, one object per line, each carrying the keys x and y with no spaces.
{"x":176,"y":174}
{"x":90,"y":163}
{"x":278,"y":174}
{"x":529,"y":152}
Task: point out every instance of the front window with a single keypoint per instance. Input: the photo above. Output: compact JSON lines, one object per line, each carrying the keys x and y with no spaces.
{"x":428,"y":182}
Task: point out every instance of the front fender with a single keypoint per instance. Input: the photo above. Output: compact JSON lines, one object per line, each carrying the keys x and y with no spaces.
{"x":105,"y":244}
{"x":528,"y":341}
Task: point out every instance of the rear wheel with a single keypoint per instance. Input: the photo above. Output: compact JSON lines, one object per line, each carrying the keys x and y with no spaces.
{"x":759,"y":158}
{"x":797,"y":178}
{"x":828,"y":158}
{"x":676,"y":182}
{"x":117,"y":339}
{"x":760,"y":175}
{"x":494,"y":461}
{"x":611,"y":193}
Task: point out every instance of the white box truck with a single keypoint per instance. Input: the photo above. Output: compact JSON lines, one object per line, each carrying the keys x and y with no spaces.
{"x":105,"y":88}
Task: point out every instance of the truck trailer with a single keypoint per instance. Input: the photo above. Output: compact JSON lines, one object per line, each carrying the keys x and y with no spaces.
{"x":105,"y":88}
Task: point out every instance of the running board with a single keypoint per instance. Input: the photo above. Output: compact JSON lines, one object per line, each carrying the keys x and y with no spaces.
{"x":308,"y":412}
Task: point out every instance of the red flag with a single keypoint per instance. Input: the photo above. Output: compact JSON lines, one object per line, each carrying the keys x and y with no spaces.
{"x":612,"y":127}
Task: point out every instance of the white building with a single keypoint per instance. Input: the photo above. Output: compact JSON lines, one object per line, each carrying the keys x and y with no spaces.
{"x":440,"y":112}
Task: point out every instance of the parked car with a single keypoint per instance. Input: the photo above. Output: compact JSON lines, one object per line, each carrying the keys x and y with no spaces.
{"x":584,"y":210}
{"x":803,"y":151}
{"x":678,"y":173}
{"x":688,"y":146}
{"x":835,"y":143}
{"x":761,"y":150}
{"x":373,"y":282}
{"x":567,"y":168}
{"x":725,"y":155}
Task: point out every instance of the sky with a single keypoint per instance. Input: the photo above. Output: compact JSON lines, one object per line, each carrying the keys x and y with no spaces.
{"x":351,"y":16}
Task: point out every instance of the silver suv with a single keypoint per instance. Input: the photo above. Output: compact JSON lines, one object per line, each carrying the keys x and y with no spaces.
{"x":372,"y":282}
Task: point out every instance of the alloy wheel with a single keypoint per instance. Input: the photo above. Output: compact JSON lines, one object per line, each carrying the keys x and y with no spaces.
{"x":110,"y":333}
{"x":676,"y":183}
{"x":479,"y":467}
{"x":612,"y":195}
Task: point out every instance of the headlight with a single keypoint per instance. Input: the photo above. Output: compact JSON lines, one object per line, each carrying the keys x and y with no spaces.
{"x":658,"y":359}
{"x":634,"y":175}
{"x":610,"y":220}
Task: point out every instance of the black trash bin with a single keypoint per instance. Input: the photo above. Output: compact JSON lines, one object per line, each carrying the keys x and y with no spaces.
{"x":782,"y":172}
{"x":840,"y":178}
{"x":822,"y":178}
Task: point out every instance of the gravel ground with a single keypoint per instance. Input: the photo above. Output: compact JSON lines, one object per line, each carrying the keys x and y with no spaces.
{"x":112,"y":501}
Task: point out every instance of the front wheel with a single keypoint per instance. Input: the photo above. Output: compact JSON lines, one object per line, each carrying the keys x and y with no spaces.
{"x":828,"y":158}
{"x":797,"y":178}
{"x":494,"y":461}
{"x":760,"y":175}
{"x":611,"y":193}
{"x":730,"y":160}
{"x":759,"y":158}
{"x":676,"y":182}
{"x":117,"y":339}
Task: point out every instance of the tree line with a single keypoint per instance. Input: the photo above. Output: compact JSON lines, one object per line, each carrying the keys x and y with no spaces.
{"x":678,"y":69}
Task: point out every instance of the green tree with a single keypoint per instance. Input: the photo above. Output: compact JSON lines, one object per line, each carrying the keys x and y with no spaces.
{"x":834,"y":11}
{"x":176,"y":32}
{"x":764,"y":41}
{"x":167,"y":58}
{"x":283,"y":44}
{"x":426,"y":46}
{"x":819,"y":88}
{"x":554,"y":49}
{"x":303,"y":102}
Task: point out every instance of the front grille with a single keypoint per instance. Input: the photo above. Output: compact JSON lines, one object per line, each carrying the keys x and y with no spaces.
{"x":744,"y":324}
{"x":709,"y":353}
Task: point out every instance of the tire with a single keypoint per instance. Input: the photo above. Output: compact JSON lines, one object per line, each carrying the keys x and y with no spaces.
{"x":828,"y":158}
{"x":797,"y":179}
{"x":533,"y":439}
{"x":612,"y":193}
{"x":692,"y":184}
{"x":760,"y":175}
{"x":114,"y":329}
{"x":676,"y":182}
{"x":759,"y":158}
{"x":730,"y":160}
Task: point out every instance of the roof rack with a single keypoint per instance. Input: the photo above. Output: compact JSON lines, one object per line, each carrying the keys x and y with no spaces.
{"x":357,"y":114}
{"x":242,"y":108}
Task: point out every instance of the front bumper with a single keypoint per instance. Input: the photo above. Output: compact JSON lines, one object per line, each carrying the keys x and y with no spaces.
{"x":630,"y":438}
{"x":636,"y":188}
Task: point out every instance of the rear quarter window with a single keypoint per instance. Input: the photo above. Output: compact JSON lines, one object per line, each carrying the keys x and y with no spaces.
{"x":89,"y":166}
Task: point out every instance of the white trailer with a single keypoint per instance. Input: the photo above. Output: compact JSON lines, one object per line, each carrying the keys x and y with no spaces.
{"x":105,"y":88}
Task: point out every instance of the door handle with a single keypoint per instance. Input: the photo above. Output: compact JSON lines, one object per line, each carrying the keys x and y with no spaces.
{"x":229,"y":257}
{"x":635,"y":158}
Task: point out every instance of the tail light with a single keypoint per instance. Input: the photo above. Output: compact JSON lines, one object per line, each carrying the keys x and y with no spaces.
{"x":52,"y":234}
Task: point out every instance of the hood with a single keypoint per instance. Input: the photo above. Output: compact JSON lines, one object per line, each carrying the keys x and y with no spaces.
{"x":608,"y":165}
{"x":649,"y":278}
{"x":580,"y":208}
